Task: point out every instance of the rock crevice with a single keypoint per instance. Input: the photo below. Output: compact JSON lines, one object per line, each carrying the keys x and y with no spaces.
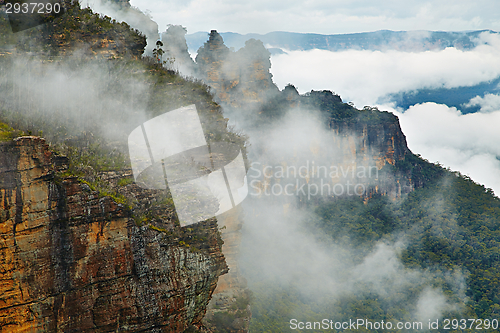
{"x":71,"y":259}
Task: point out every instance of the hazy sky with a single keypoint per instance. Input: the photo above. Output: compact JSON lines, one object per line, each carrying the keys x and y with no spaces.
{"x":323,"y":16}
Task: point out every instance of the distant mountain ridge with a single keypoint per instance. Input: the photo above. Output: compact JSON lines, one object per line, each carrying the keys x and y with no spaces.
{"x":280,"y":41}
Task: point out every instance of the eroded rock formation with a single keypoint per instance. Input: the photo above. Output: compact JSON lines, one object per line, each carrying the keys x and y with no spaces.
{"x":71,"y":260}
{"x":239,"y":78}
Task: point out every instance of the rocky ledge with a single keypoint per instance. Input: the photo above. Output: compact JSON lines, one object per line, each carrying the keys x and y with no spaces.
{"x":73,"y":260}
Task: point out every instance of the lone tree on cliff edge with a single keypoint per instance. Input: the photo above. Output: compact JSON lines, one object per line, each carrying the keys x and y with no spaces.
{"x":158,"y":51}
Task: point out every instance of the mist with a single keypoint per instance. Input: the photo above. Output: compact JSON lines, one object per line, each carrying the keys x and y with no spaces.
{"x":435,"y":132}
{"x":282,"y":246}
{"x":463,"y":142}
{"x":132,"y":15}
{"x":279,"y":240}
{"x":68,"y":100}
{"x":363,"y":77}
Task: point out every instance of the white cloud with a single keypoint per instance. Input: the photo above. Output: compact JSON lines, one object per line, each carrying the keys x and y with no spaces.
{"x":461,"y":142}
{"x":431,"y":304}
{"x":466,"y":143}
{"x":488,"y":103}
{"x":364,"y":76}
{"x":322,"y":16}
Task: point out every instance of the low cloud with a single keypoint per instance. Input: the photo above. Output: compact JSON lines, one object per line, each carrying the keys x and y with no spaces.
{"x":133,"y":16}
{"x":487,"y":103}
{"x":464,"y":142}
{"x":282,"y":247}
{"x":96,"y":96}
{"x":320,"y":16}
{"x":431,"y":305}
{"x":364,"y":77}
{"x":279,"y":249}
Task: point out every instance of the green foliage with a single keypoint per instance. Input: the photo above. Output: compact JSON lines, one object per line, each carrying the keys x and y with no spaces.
{"x":158,"y":51}
{"x":243,"y":301}
{"x":222,"y":320}
{"x":329,"y":104}
{"x":157,"y":228}
{"x":125,"y":181}
{"x":449,"y":225}
{"x":421,"y":171}
{"x":351,"y":221}
{"x":71,"y":30}
{"x":226,"y":321}
{"x":140,"y":220}
{"x":94,"y":157}
{"x":459,"y":226}
{"x":7,"y":133}
{"x":105,"y":190}
{"x":274,"y":306}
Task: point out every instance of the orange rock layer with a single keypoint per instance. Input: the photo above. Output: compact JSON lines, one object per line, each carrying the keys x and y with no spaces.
{"x":71,"y":260}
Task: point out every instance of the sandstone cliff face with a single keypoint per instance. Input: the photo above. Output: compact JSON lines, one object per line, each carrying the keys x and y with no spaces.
{"x":379,"y":144}
{"x":71,"y":260}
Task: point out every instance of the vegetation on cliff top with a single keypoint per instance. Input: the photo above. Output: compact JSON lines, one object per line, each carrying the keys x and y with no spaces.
{"x":80,"y":81}
{"x":78,"y":29}
{"x":7,"y":133}
{"x":327,"y":102}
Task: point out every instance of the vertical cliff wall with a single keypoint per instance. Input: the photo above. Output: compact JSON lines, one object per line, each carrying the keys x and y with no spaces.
{"x":71,"y":260}
{"x":375,"y":143}
{"x":229,"y":308}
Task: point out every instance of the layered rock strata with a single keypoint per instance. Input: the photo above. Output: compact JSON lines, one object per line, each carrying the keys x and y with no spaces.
{"x":72,"y":260}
